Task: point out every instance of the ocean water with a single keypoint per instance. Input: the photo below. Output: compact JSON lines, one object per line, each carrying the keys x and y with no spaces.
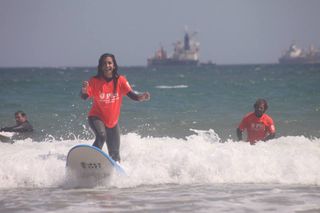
{"x":179,"y":149}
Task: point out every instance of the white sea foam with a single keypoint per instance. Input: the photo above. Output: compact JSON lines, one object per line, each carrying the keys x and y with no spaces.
{"x":172,"y":87}
{"x":200,"y":158}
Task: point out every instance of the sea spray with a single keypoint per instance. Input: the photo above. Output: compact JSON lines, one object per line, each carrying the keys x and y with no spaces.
{"x":198,"y":159}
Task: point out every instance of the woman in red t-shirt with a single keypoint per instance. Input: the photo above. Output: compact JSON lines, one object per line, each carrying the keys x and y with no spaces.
{"x":106,"y":90}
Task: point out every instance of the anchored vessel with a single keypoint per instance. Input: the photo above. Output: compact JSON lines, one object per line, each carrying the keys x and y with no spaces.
{"x":185,"y":53}
{"x":295,"y":55}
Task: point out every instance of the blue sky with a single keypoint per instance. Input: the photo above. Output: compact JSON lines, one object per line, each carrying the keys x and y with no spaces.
{"x":77,"y":32}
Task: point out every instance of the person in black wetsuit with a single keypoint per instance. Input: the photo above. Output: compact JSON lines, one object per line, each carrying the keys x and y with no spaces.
{"x":22,"y":124}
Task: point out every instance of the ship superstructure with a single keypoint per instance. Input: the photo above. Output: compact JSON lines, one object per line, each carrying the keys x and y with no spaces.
{"x":185,"y":52}
{"x":295,"y":55}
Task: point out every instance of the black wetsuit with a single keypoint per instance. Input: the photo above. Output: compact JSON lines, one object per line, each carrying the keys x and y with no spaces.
{"x":104,"y":134}
{"x":23,"y":127}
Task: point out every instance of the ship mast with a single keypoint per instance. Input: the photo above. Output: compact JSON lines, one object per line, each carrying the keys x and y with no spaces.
{"x":186,"y":42}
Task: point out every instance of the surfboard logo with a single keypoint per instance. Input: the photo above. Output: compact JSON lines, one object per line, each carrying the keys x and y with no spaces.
{"x":86,"y":165}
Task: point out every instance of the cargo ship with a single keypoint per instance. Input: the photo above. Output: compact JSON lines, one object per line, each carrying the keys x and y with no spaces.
{"x":185,"y":52}
{"x":295,"y":55}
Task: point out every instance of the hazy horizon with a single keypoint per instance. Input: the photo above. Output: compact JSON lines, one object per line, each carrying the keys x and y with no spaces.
{"x":74,"y":33}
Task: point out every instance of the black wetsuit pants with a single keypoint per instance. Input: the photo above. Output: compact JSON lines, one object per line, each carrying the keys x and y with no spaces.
{"x":104,"y":134}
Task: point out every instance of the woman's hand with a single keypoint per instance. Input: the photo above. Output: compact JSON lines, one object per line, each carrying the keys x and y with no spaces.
{"x":84,"y":88}
{"x":144,"y":97}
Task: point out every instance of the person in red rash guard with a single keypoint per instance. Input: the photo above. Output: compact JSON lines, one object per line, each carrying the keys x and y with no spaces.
{"x":106,"y":90}
{"x":259,"y":126}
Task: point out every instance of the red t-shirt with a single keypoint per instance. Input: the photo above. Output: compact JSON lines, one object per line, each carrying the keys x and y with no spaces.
{"x":257,"y":128}
{"x":106,"y":104}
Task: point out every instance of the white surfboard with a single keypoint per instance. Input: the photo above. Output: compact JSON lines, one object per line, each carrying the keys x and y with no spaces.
{"x":89,"y":165}
{"x":6,"y":137}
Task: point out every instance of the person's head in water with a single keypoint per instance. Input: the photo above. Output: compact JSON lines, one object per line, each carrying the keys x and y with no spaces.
{"x":20,"y":117}
{"x":108,"y":67}
{"x":260,"y":107}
